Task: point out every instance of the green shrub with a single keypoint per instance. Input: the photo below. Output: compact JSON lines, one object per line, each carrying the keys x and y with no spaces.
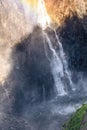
{"x":75,"y":122}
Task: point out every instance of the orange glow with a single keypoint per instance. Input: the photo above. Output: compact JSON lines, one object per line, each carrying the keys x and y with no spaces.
{"x":32,"y":3}
{"x":60,"y":9}
{"x":56,"y":10}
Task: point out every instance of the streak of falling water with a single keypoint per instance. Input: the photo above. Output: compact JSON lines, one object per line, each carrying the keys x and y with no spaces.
{"x":6,"y":92}
{"x":59,"y":67}
{"x":44,"y":99}
{"x":65,"y":64}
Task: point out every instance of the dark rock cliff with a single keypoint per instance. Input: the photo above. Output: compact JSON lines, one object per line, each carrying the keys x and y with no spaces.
{"x":74,"y":38}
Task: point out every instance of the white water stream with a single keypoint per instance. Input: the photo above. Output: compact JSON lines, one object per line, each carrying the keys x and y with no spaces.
{"x":59,"y":67}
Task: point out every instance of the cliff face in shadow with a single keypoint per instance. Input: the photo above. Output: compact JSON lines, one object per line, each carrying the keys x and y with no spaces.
{"x":34,"y":69}
{"x":74,"y":38}
{"x":31,"y":76}
{"x":28,"y":83}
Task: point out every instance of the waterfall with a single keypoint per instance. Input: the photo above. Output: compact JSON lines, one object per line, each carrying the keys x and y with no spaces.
{"x":58,"y":63}
{"x":64,"y":61}
{"x":59,"y":67}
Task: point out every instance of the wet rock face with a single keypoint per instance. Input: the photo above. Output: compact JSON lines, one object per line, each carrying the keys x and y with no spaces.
{"x":74,"y":39}
{"x":38,"y":64}
{"x":31,"y":77}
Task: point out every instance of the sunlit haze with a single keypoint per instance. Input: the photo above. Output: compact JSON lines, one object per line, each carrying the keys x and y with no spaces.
{"x":36,"y":12}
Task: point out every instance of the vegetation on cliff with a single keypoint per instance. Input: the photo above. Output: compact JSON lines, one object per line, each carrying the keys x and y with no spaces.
{"x":76,"y":120}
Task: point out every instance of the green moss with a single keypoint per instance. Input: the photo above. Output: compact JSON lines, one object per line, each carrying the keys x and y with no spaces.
{"x":75,"y":122}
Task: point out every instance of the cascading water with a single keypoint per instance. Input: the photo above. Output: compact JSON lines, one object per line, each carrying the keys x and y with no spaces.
{"x":59,"y":68}
{"x":64,"y":61}
{"x":39,"y":90}
{"x":58,"y":63}
{"x":56,"y":68}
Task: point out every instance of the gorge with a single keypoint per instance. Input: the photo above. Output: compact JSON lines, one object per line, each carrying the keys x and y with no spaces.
{"x":43,"y":69}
